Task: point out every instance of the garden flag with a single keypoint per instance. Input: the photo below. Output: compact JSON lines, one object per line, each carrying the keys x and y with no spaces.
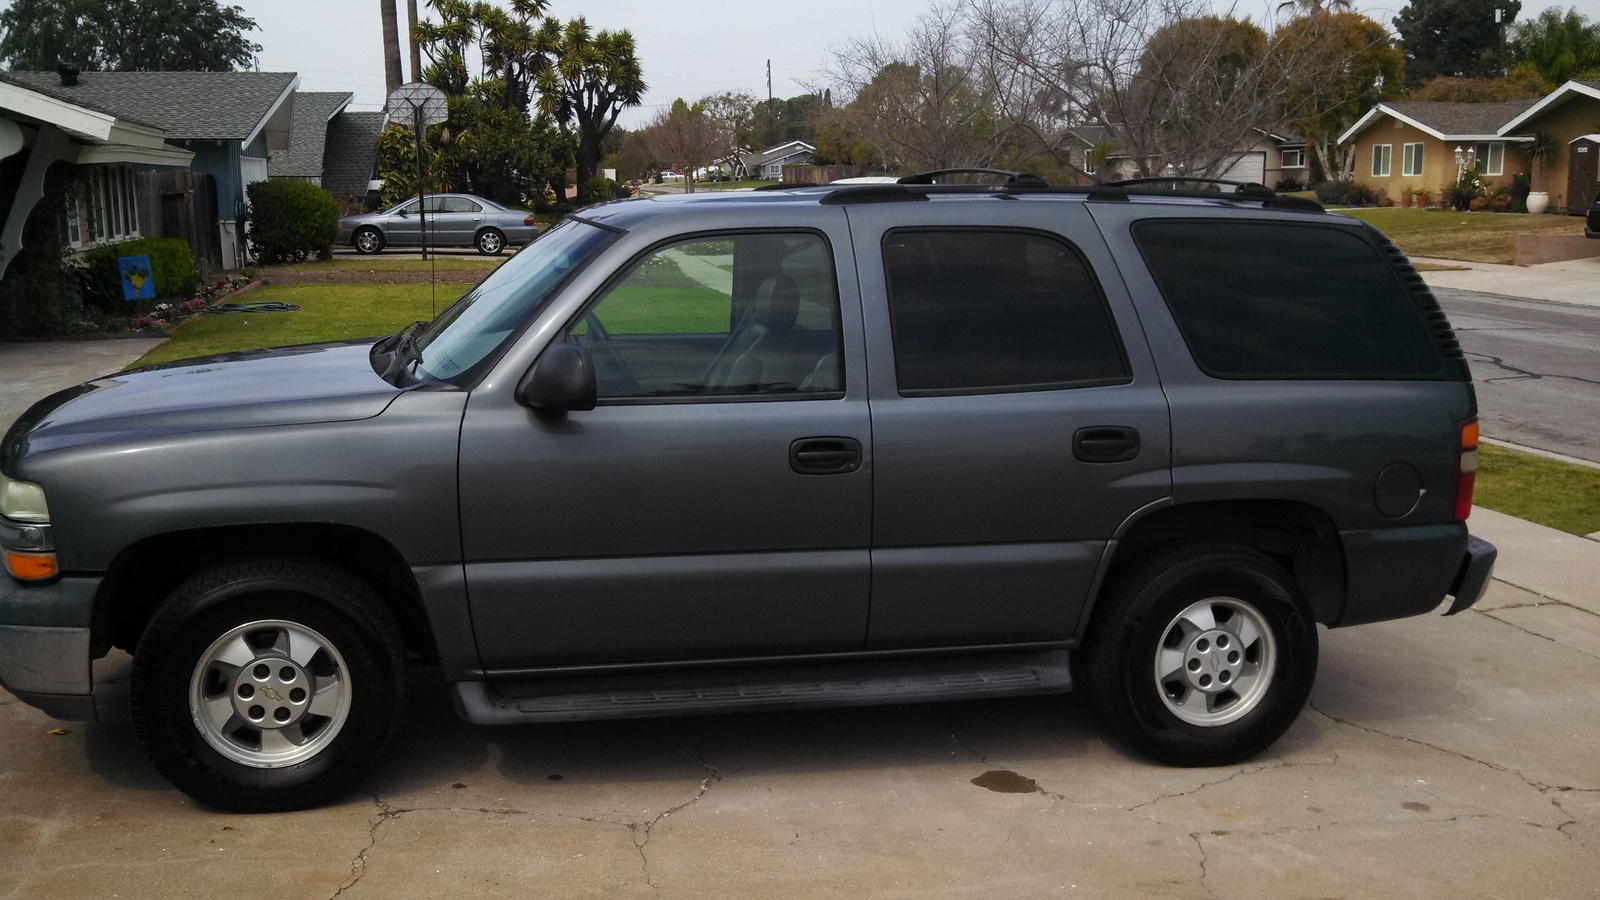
{"x":137,"y":282}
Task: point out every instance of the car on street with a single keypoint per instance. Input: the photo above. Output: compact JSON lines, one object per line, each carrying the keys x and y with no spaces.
{"x":446,"y":220}
{"x":749,"y":451}
{"x":1591,"y":224}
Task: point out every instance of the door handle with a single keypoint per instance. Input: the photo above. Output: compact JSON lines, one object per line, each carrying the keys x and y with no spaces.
{"x":1105,"y":444}
{"x":825,"y":455}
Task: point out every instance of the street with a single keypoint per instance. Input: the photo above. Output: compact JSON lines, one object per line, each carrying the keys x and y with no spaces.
{"x":1537,"y":368}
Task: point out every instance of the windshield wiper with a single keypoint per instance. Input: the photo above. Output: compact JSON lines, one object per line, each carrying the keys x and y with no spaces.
{"x":400,"y":355}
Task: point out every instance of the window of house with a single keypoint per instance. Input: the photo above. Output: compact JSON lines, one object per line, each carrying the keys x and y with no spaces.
{"x":1382,"y":160}
{"x":1088,"y":162}
{"x":97,"y":198}
{"x":1411,"y":163}
{"x":1294,"y":159}
{"x":131,"y":198}
{"x":1491,"y":158}
{"x":982,"y":311}
{"x":1258,"y":300}
{"x":734,"y":315}
{"x":74,"y":230}
{"x":119,"y":215}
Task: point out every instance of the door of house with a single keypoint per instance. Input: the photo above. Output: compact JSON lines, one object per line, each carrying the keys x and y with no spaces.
{"x":1583,"y":170}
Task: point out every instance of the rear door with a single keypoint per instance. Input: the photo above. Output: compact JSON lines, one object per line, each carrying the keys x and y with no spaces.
{"x":1016,"y":416}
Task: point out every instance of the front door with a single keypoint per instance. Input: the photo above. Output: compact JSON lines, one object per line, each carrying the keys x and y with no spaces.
{"x":717,"y":501}
{"x":1020,"y":423}
{"x":1582,"y":172}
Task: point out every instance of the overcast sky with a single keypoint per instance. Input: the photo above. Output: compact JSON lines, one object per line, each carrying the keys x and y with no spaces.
{"x":688,"y":48}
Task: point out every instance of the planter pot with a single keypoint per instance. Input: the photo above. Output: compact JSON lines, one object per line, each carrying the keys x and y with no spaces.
{"x":1538,"y":202}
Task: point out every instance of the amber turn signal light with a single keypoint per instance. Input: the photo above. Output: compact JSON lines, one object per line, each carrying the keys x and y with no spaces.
{"x":31,"y":566}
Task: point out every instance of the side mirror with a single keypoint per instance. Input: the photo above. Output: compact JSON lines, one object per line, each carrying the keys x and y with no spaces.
{"x":561,"y":379}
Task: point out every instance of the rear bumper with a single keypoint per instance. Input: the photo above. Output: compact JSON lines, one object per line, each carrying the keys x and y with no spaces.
{"x":45,"y":644}
{"x":1392,"y":573}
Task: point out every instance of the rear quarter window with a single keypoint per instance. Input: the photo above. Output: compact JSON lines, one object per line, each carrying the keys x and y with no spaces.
{"x":1266,"y":300}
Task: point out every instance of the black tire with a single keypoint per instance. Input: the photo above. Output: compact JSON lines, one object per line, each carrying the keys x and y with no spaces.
{"x":361,"y":658}
{"x":491,"y":242}
{"x":1170,"y":717}
{"x":368,"y":240}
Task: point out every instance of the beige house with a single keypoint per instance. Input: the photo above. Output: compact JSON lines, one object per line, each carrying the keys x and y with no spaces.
{"x":1412,"y":144}
{"x":1570,"y":114}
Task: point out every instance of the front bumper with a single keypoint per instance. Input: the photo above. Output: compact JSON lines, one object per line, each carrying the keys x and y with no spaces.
{"x":45,"y":644}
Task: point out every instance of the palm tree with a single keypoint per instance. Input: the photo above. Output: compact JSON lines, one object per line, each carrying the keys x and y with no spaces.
{"x":1313,"y":7}
{"x":411,"y":37}
{"x":392,"y":77}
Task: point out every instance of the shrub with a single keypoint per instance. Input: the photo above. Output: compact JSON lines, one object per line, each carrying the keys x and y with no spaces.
{"x":1361,"y":194}
{"x":602,"y":188}
{"x":171,"y":265}
{"x":1385,"y":202}
{"x":1501,"y":202}
{"x":41,"y":295}
{"x":1478,"y":204}
{"x":1333,"y":193}
{"x":1288,"y":185}
{"x":291,"y":220}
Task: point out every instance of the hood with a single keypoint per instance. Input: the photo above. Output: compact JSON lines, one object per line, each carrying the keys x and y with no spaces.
{"x":284,"y":386}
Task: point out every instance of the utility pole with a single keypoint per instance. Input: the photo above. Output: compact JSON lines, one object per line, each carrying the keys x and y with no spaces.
{"x":772,"y":119}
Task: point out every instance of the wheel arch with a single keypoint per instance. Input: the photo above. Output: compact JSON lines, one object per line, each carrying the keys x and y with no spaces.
{"x":143,"y":574}
{"x":1298,"y":536}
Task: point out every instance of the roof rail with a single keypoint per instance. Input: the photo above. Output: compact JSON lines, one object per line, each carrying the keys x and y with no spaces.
{"x":1018,"y":179}
{"x":1247,"y":188}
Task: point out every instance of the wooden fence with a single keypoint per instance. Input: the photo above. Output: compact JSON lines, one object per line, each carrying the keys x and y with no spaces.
{"x":179,"y":203}
{"x":825,"y":174}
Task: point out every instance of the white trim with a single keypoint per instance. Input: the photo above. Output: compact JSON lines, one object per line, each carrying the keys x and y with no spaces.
{"x":124,"y":153}
{"x":1361,"y":125}
{"x":341,"y":107}
{"x":262,"y":122}
{"x":1388,"y":159}
{"x":66,"y":116}
{"x":1555,"y":96}
{"x":1585,"y":137}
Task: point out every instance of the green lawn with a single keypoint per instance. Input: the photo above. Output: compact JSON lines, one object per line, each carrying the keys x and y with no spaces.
{"x":380,"y":263}
{"x":1553,"y":493}
{"x":1475,"y":237}
{"x":328,"y":312}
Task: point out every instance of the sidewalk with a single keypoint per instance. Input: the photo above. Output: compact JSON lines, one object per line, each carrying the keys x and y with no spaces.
{"x":33,"y":371}
{"x":1545,"y":581}
{"x":1575,"y":281}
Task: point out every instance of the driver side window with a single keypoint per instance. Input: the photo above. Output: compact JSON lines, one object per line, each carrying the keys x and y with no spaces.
{"x":734,"y":315}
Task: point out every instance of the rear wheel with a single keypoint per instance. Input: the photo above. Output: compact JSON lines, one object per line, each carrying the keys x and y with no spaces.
{"x":1202,"y":656}
{"x":491,"y":242}
{"x":268,"y":685}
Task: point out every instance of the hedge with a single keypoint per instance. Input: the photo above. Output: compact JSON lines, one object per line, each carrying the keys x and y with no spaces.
{"x":291,"y":220}
{"x":170,"y":263}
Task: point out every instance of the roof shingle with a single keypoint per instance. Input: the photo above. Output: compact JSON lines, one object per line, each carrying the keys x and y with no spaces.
{"x":1461,"y":118}
{"x":351,"y":156}
{"x":308,"y":135}
{"x":217,"y":106}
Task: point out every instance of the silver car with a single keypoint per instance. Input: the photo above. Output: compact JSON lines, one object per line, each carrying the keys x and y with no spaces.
{"x":453,"y":220}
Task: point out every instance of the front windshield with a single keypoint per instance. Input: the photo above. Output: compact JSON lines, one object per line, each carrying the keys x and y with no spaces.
{"x":476,"y":325}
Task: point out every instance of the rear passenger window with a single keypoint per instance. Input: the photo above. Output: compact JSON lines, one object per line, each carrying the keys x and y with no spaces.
{"x":1271,"y":301}
{"x":977,"y":311}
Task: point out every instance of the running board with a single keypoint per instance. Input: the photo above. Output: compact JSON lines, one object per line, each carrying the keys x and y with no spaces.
{"x":763,"y":689}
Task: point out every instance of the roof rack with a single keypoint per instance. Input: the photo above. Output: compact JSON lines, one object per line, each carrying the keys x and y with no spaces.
{"x":1020,"y":179}
{"x":1248,"y":188}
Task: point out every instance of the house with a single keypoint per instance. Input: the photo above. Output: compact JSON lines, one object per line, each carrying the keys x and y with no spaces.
{"x":1570,"y":115}
{"x":1273,"y":155}
{"x":310,"y":117}
{"x":330,"y":146}
{"x":769,"y":163}
{"x":230,"y":121}
{"x":39,"y":128}
{"x":1401,"y":144}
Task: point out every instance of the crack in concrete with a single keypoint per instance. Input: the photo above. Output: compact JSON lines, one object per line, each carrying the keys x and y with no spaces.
{"x":1199,"y":845}
{"x":1519,"y":374}
{"x":1202,"y":786}
{"x":1491,"y":614}
{"x":358,"y":865}
{"x":712,"y":776}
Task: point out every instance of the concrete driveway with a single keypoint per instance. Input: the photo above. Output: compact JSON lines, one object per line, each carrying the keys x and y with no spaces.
{"x":1453,"y":757}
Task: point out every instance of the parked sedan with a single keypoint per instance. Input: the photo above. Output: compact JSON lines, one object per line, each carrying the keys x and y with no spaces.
{"x":1591,"y":225}
{"x":453,"y":220}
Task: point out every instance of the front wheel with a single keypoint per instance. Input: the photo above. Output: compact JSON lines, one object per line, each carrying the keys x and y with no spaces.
{"x":1202,"y":656}
{"x":268,"y":685}
{"x":368,"y":240}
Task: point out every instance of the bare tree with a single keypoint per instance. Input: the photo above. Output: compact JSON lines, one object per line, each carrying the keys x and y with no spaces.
{"x":392,"y":76}
{"x":921,"y":103}
{"x":685,"y":137}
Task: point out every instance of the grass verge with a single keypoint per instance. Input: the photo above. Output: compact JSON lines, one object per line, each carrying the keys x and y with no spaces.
{"x":1553,"y":493}
{"x":328,"y":312}
{"x":1475,"y":237}
{"x":345,"y":265}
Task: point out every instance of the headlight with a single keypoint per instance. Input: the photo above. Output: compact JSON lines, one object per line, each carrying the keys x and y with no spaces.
{"x":23,"y":501}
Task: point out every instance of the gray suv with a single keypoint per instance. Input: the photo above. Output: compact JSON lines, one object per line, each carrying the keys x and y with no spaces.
{"x":820,"y":446}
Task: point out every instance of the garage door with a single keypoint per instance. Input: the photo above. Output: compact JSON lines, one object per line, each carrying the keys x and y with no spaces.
{"x":1250,"y":167}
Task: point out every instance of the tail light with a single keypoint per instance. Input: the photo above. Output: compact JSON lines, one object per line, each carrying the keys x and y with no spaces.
{"x":528,"y":220}
{"x":1466,"y":469}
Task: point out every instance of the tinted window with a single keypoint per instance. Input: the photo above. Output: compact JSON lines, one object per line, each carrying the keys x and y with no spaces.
{"x":742,"y":314}
{"x":995,"y":310}
{"x":460,"y":205}
{"x":1263,"y":300}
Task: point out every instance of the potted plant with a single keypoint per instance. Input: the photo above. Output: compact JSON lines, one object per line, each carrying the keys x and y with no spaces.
{"x":1541,"y":148}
